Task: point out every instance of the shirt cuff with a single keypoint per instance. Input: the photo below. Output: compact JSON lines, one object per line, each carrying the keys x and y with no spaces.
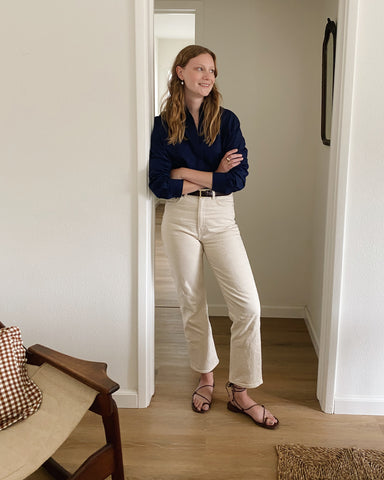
{"x":219,"y":182}
{"x":176,"y":187}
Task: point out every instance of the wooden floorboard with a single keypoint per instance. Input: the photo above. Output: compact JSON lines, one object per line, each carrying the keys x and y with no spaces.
{"x":169,"y":441}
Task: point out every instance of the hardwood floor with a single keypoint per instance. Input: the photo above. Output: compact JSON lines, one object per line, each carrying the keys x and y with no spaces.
{"x":169,"y":441}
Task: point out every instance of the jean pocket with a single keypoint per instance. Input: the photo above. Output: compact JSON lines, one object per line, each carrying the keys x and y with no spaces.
{"x":225,"y":201}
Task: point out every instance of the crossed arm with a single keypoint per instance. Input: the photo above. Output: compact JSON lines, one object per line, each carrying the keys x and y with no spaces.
{"x":197,"y":179}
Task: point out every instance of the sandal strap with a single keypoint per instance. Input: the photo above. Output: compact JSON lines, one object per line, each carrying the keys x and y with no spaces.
{"x":256,"y":405}
{"x":234,"y":388}
{"x":237,"y":389}
{"x":202,"y":386}
{"x":202,"y":396}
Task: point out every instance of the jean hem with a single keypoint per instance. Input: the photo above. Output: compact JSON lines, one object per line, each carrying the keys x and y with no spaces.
{"x":247,"y":385}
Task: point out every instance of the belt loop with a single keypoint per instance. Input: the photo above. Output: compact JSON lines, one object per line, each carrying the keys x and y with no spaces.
{"x":213,"y":195}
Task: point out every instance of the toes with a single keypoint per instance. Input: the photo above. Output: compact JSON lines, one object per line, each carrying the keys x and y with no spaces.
{"x":202,"y":398}
{"x":199,"y":403}
{"x":196,"y":403}
{"x":270,"y":419}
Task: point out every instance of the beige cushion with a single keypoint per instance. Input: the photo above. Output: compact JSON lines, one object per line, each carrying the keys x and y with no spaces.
{"x":26,"y":445}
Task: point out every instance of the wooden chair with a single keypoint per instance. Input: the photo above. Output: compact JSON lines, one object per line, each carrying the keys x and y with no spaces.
{"x":98,"y":387}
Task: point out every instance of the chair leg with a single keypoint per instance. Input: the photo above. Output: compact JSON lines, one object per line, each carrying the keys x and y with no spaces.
{"x":112,"y":434}
{"x":109,"y":457}
{"x":56,"y":470}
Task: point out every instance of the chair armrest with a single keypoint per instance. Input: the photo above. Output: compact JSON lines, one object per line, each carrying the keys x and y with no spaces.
{"x":90,"y":373}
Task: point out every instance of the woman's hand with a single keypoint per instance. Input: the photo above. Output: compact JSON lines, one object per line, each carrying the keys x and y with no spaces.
{"x":231,"y":159}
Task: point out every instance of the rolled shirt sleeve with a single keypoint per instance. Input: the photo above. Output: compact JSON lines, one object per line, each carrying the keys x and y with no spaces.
{"x":160,"y":165}
{"x":231,"y":137}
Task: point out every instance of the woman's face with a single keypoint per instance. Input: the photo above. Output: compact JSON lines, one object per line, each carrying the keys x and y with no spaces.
{"x":198,"y":76}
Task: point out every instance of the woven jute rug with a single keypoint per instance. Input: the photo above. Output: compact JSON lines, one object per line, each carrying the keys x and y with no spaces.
{"x":297,"y":462}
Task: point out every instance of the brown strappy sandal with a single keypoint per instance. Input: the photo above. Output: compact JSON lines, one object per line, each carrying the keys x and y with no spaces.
{"x":208,"y":402}
{"x":234,"y":406}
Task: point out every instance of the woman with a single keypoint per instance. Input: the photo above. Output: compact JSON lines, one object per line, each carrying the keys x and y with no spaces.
{"x":198,"y":158}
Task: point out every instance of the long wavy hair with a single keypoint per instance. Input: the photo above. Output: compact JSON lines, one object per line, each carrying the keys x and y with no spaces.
{"x":173,"y":106}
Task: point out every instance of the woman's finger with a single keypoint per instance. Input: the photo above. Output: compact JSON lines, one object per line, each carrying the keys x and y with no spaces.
{"x":230,"y":152}
{"x":234,"y":157}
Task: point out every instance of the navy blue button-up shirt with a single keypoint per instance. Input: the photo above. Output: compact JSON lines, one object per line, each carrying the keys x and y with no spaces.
{"x":194,"y":153}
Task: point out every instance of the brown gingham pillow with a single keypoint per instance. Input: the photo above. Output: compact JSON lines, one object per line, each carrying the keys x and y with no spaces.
{"x":19,"y":396}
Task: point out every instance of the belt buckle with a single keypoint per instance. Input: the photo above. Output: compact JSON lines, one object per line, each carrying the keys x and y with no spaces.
{"x":207,"y":192}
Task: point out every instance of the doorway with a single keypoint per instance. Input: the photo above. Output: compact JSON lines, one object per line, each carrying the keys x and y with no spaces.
{"x":172,"y":32}
{"x":288,"y":218}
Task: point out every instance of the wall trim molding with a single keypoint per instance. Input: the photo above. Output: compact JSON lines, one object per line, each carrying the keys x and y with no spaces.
{"x":283,"y":311}
{"x":278,"y":311}
{"x":312,"y":332}
{"x":356,"y":405}
{"x":126,"y":399}
{"x":267,"y":311}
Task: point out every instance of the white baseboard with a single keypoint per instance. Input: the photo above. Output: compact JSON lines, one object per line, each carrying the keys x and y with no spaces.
{"x":281,"y":311}
{"x":354,"y":405}
{"x":267,"y":311}
{"x":126,"y":399}
{"x":218,"y":310}
{"x":312,"y":333}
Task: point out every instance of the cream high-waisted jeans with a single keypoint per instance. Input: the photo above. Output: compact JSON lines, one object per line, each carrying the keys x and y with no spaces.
{"x":193,"y":226}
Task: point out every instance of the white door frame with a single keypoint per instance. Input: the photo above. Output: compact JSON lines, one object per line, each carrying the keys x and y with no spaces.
{"x":339,"y":156}
{"x":336,"y":202}
{"x":145,"y":219}
{"x":184,"y":6}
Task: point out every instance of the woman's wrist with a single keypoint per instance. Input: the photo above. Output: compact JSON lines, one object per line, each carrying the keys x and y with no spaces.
{"x":197,"y":177}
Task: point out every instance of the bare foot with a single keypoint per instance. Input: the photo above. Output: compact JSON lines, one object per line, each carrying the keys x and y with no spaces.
{"x":202,"y":396}
{"x":240,"y":399}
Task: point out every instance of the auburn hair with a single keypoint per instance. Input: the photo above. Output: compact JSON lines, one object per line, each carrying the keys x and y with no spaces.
{"x":173,"y":106}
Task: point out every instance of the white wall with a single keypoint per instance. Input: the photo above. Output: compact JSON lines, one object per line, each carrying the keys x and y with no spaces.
{"x":359,"y":381}
{"x":68,"y":181}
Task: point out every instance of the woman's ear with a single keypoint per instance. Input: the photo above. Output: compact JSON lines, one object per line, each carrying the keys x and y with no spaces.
{"x":179,"y":72}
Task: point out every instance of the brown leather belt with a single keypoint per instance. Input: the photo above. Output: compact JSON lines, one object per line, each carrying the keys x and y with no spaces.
{"x":207,"y":193}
